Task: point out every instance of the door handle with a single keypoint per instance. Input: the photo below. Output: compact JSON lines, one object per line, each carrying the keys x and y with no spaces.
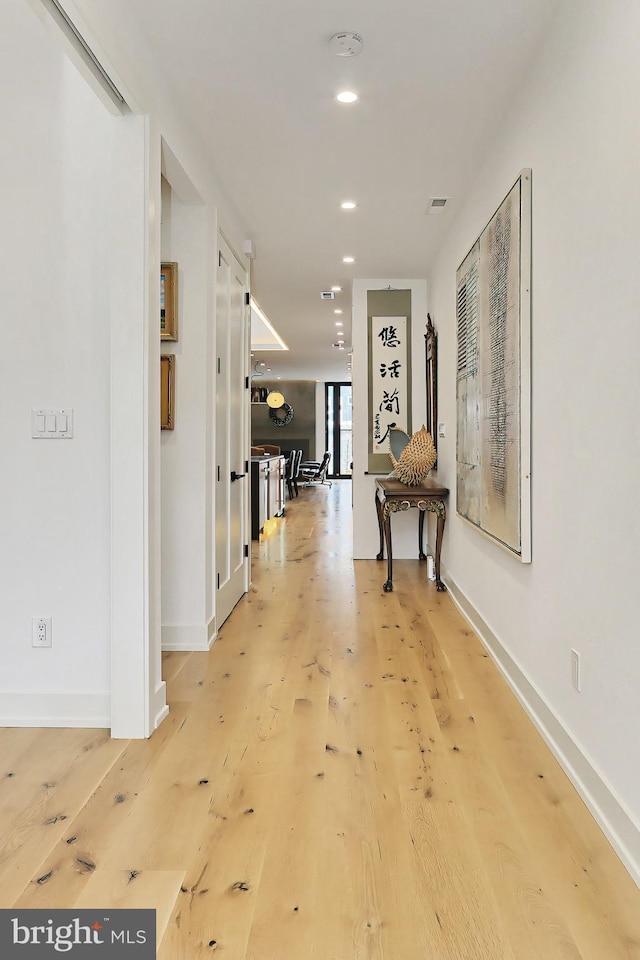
{"x":236,"y":476}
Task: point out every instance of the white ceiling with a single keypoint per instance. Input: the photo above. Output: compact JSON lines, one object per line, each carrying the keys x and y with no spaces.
{"x":258,"y":79}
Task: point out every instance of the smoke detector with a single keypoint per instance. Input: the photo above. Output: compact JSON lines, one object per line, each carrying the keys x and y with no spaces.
{"x":346,"y":44}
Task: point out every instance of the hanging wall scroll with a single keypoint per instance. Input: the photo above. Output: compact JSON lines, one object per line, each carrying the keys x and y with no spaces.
{"x":389,"y":371}
{"x":493,"y":315}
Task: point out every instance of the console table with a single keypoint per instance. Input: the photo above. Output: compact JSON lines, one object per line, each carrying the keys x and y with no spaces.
{"x":392,"y":496}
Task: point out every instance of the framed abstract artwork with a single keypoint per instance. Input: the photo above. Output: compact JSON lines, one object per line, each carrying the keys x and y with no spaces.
{"x":493,"y":378}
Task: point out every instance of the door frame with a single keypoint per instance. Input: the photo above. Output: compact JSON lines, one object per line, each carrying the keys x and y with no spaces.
{"x":336,"y":423}
{"x":224,"y":245}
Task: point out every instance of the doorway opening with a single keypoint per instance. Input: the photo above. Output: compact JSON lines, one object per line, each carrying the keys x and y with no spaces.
{"x":339,"y":429}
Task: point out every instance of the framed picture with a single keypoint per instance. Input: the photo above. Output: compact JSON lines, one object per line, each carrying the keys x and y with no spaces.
{"x":169,"y":301}
{"x":167,"y":391}
{"x":493,"y":314}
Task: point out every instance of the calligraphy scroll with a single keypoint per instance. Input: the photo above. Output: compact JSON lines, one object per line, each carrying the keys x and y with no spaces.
{"x":389,"y":375}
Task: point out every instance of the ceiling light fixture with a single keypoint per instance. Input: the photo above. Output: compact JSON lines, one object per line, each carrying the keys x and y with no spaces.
{"x":269,"y":341}
{"x":336,"y":289}
{"x":337,"y":311}
{"x":348,"y":205}
{"x":347,"y":96}
{"x":348,"y":259}
{"x":275,"y":399}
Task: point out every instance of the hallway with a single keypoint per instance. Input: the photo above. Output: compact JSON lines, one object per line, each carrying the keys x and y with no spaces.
{"x":344,"y":776}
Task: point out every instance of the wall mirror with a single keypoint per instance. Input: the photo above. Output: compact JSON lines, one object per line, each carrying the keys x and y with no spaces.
{"x":431,"y":347}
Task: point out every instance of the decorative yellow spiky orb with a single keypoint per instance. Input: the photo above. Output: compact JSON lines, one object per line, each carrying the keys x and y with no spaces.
{"x":416,"y":460}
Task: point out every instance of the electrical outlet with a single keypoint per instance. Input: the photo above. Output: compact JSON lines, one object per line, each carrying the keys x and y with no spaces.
{"x":575,"y":670}
{"x":41,"y":632}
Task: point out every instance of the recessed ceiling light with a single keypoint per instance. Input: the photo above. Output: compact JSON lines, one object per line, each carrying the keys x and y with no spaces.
{"x":348,"y":259}
{"x":348,"y":205}
{"x":347,"y":96}
{"x":337,"y":311}
{"x":339,"y":323}
{"x":336,"y":289}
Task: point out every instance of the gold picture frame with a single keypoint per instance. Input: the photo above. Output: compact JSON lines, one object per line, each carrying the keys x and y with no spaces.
{"x":169,"y":301}
{"x":167,"y":391}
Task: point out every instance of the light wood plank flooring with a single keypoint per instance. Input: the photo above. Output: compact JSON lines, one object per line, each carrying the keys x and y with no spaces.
{"x":344,"y":776}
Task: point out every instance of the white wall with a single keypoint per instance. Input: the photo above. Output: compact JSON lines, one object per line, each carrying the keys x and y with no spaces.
{"x":576,"y":123}
{"x":85,"y":200}
{"x":54,"y":549}
{"x":186,"y":562}
{"x":189,"y":171}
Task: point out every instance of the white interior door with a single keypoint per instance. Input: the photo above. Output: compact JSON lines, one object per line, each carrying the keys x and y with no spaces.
{"x":232,"y":442}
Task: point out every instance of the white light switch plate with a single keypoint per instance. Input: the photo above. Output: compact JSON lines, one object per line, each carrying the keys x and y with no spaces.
{"x":52,"y":424}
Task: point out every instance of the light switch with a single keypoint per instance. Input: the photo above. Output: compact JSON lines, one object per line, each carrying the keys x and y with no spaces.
{"x":442,"y":431}
{"x":52,"y":424}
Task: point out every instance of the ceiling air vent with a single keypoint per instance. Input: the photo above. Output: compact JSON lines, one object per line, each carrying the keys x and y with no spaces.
{"x":436,"y":205}
{"x":327,"y":295}
{"x":339,"y":345}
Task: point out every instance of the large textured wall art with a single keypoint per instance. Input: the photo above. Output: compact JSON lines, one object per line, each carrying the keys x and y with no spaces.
{"x":493,"y":315}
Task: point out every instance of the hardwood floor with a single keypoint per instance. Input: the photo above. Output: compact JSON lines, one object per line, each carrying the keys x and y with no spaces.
{"x":344,"y":776}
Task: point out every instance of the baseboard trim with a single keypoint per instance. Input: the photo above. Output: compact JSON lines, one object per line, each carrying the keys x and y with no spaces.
{"x":188,"y":638}
{"x":44,"y":709}
{"x":161,"y":707}
{"x":610,"y":813}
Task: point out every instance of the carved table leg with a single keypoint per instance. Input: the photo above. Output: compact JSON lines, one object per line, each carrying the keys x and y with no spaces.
{"x":388,"y":585}
{"x":421,"y":554}
{"x":380,"y":555}
{"x":439,"y":535}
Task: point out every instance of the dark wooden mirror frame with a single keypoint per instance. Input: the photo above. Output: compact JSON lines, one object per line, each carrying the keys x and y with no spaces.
{"x":431,"y":348}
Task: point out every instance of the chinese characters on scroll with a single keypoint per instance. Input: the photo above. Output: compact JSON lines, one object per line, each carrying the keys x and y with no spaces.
{"x":389,"y":379}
